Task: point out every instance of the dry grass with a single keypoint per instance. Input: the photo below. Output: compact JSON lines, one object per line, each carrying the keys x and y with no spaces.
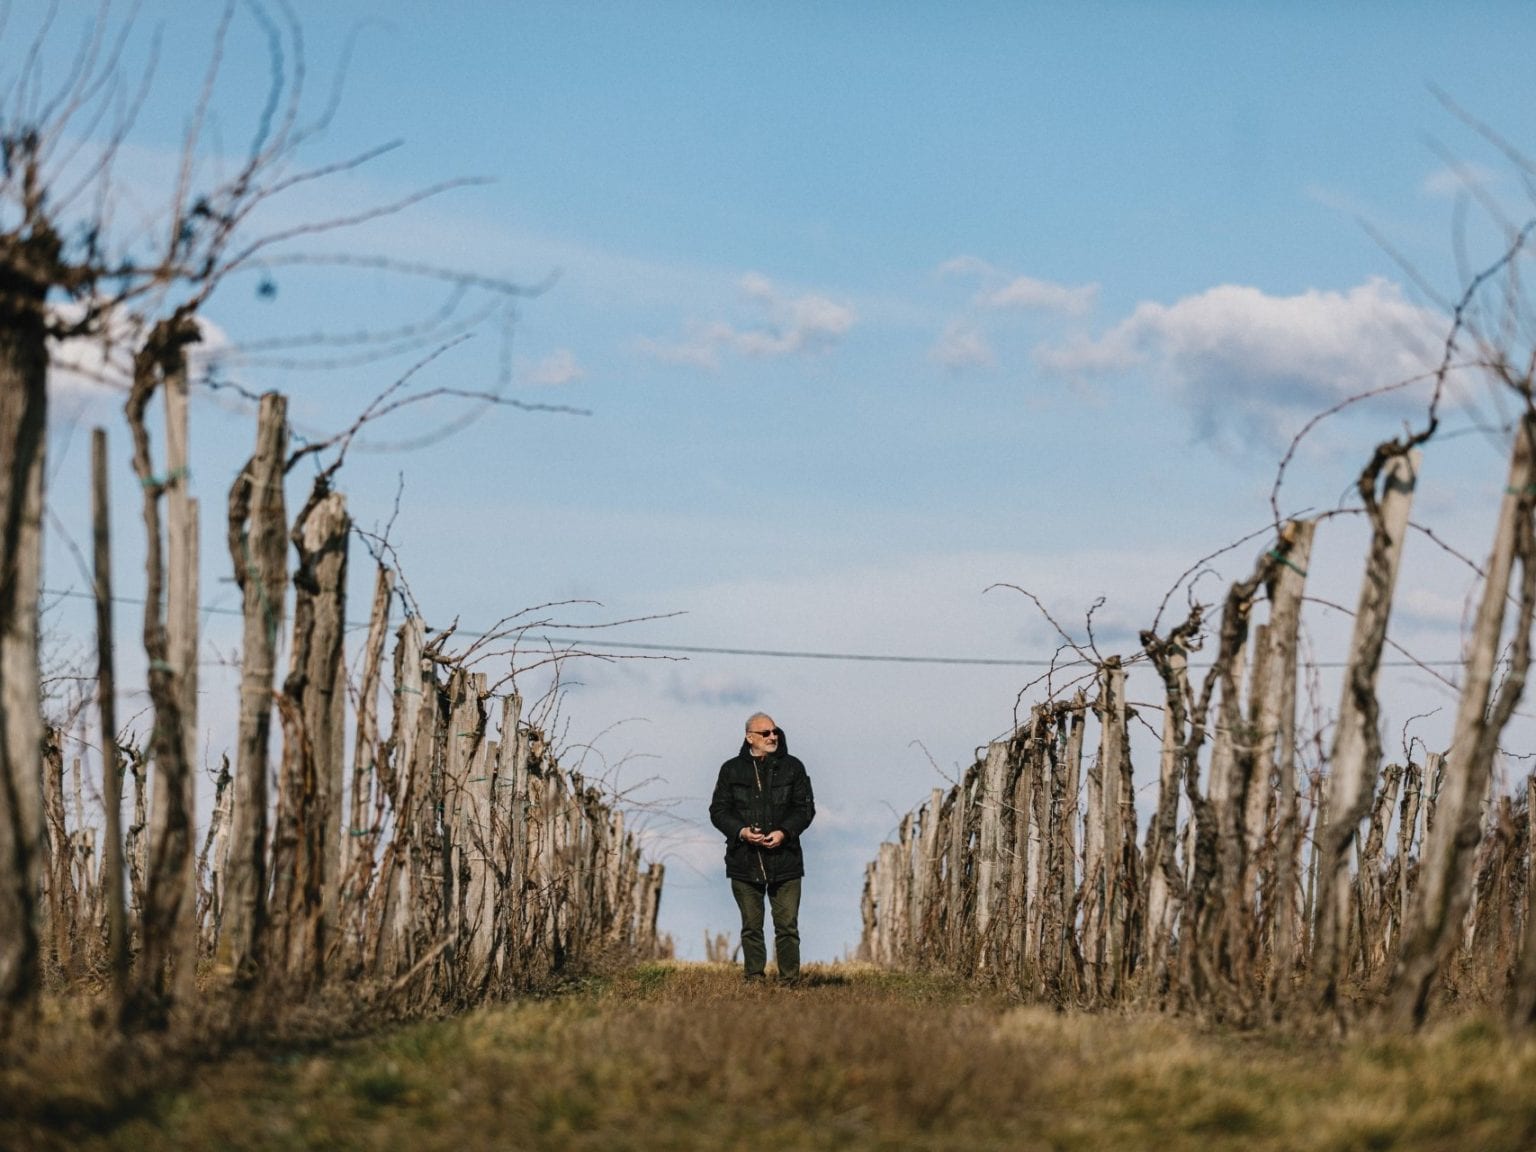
{"x":685,"y":1056}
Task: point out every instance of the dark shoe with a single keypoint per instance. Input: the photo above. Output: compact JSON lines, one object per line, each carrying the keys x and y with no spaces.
{"x":755,"y":978}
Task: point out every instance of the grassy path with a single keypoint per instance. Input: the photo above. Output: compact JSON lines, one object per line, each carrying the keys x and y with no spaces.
{"x":686,"y":1057}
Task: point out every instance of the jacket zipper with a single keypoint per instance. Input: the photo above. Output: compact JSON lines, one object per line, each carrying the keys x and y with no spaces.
{"x":762,"y":865}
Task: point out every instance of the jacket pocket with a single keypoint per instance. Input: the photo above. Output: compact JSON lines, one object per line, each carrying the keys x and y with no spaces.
{"x":744,"y":800}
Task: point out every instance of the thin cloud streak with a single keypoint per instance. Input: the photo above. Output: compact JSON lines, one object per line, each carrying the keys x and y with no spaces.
{"x":967,"y":340}
{"x":963,"y":345}
{"x":1025,"y":292}
{"x":556,"y":370}
{"x":790,"y":325}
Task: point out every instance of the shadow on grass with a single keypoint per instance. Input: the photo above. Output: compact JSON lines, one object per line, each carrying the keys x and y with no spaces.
{"x":819,"y":979}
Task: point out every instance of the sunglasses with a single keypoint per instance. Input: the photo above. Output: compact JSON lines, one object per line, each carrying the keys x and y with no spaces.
{"x":764,"y":734}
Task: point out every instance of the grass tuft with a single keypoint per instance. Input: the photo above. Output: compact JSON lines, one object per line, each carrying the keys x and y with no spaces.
{"x":687,"y":1056}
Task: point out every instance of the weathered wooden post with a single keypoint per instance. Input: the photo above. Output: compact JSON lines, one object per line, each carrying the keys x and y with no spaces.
{"x":1092,"y":892}
{"x":516,"y":753}
{"x":927,"y":890}
{"x":1524,"y":1000}
{"x":869,"y":940}
{"x":213,"y":863}
{"x":359,"y":837}
{"x":430,"y":912}
{"x":1165,"y":883}
{"x":906,"y":881}
{"x":542,"y":796}
{"x":24,"y":289}
{"x":1318,"y":818}
{"x":628,"y":878}
{"x":1371,"y":878}
{"x":1407,"y":844}
{"x":479,"y":792}
{"x":166,"y":929}
{"x":1070,"y":770}
{"x":494,"y":880}
{"x":957,"y":881}
{"x":1445,"y":871}
{"x":323,"y":549}
{"x":1396,"y":779}
{"x":1257,"y":772}
{"x":258,"y":547}
{"x":135,"y":846}
{"x":306,"y":849}
{"x":394,"y":921}
{"x":557,"y":845}
{"x":1278,"y":751}
{"x":182,"y":636}
{"x":466,"y":730}
{"x":82,"y":846}
{"x":994,"y":799}
{"x":58,"y":905}
{"x":887,"y":913}
{"x":650,"y":907}
{"x":1223,"y":785}
{"x":106,"y":699}
{"x":1357,"y":743}
{"x":1024,"y":844}
{"x":614,"y":876}
{"x":1119,"y":808}
{"x":1034,"y":840}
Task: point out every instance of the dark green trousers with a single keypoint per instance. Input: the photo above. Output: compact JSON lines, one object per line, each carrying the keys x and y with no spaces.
{"x":783,"y":899}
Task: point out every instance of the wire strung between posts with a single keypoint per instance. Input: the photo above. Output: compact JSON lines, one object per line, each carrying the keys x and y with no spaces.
{"x":783,"y":653}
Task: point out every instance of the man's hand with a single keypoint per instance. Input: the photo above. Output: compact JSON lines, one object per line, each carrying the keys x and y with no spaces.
{"x":772,"y":840}
{"x":752,"y":836}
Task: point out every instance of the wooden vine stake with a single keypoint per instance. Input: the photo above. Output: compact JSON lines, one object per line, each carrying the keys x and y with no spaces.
{"x":23,"y":444}
{"x":167,"y":927}
{"x":181,"y":596}
{"x":106,"y":693}
{"x":1357,"y":743}
{"x":991,"y":877}
{"x":258,"y":547}
{"x":1448,"y":863}
{"x":1278,"y":753}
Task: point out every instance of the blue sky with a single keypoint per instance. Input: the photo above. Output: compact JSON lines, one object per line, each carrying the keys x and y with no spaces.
{"x":872,"y":307}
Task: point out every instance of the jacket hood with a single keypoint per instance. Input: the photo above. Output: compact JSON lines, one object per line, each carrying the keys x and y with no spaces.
{"x":781,"y":750}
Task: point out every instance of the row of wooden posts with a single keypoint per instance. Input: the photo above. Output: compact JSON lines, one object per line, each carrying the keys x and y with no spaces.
{"x":443,"y":858}
{"x":1257,"y":890}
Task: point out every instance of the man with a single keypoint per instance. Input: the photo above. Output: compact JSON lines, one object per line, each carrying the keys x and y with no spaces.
{"x":762,"y":805}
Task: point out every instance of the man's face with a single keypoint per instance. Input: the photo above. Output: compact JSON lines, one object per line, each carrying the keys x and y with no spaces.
{"x":761,"y":737}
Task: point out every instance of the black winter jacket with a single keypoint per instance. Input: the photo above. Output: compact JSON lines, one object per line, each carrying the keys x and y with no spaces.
{"x":773,"y":794}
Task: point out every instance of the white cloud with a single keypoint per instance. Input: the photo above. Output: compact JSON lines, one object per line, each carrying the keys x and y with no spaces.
{"x":556,"y":369}
{"x":789,"y":325}
{"x":805,"y":324}
{"x":716,"y":689}
{"x":1041,"y":295}
{"x":1450,"y":181}
{"x":968,"y":266}
{"x":756,"y":286}
{"x":1081,"y":355}
{"x":1021,"y":292}
{"x":697,"y":351}
{"x":962,"y":346}
{"x":1433,"y":608}
{"x":97,"y":364}
{"x":967,"y":340}
{"x":1237,"y":355}
{"x":85,"y":366}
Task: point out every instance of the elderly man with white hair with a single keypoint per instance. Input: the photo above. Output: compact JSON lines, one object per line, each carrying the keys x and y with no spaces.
{"x":762,"y":805}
